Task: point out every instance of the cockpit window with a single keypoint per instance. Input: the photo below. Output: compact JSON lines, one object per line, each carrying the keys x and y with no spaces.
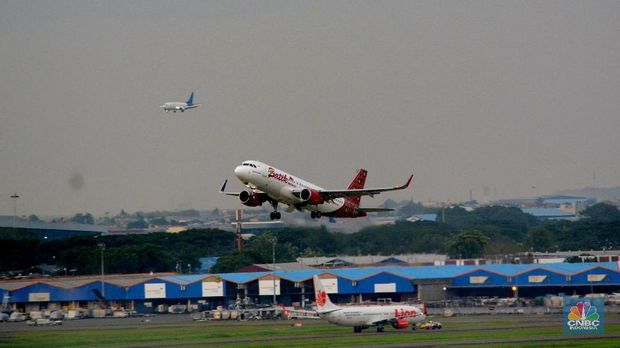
{"x":249,"y":165}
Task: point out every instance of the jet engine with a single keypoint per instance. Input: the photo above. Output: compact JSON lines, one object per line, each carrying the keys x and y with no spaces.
{"x":311,"y":197}
{"x":400,"y":324}
{"x":251,"y":199}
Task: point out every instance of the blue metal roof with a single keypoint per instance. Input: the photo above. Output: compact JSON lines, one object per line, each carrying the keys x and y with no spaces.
{"x":548,"y":212}
{"x":298,"y":276}
{"x":183,"y":279}
{"x":573,"y":268}
{"x":564,"y":200}
{"x":426,"y":217}
{"x":509,"y":269}
{"x":241,"y":278}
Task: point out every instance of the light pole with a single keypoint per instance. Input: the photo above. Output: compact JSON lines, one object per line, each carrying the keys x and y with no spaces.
{"x":102,"y":247}
{"x":273,"y":255}
{"x":15,"y":197}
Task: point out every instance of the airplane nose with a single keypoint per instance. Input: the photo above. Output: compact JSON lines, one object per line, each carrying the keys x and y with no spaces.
{"x":240,"y":172}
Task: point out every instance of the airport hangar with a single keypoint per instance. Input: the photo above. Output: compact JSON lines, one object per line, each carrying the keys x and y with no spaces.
{"x":144,"y":292}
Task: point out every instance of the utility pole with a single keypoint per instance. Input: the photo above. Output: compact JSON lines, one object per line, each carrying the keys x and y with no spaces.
{"x":102,"y":247}
{"x":15,"y":197}
{"x":239,"y":240}
{"x":273,"y":255}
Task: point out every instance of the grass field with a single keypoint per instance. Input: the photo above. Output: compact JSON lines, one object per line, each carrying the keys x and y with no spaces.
{"x":484,"y":331}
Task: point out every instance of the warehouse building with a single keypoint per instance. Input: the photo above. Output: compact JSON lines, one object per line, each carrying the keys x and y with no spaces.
{"x":145,"y":292}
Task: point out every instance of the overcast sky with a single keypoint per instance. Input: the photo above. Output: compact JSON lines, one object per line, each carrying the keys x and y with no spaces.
{"x":521,"y":97}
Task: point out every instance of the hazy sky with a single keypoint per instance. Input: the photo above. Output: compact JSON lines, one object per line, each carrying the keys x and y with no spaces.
{"x":508,"y":95}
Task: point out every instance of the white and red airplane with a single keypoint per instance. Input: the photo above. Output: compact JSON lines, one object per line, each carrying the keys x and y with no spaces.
{"x":363,"y":317}
{"x":268,"y":184}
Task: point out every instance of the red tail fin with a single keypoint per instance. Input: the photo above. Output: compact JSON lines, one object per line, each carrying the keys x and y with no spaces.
{"x":357,"y":183}
{"x":286,"y":313}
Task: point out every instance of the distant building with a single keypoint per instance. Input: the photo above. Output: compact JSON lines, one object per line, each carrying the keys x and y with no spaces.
{"x":372,"y":260}
{"x":268,"y":267}
{"x":53,"y":230}
{"x":423,"y":217}
{"x":551,"y":213}
{"x":561,"y":256}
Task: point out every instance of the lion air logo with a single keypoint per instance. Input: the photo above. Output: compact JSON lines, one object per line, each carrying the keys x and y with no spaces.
{"x":321,"y":298}
{"x":404,"y":313}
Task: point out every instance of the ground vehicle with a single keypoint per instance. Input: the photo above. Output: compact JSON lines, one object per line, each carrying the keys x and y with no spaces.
{"x":430,"y":325}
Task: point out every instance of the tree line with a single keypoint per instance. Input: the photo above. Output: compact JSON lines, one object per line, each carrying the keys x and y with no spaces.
{"x":486,"y":231}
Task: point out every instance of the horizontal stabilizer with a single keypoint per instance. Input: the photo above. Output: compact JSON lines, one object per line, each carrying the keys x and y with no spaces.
{"x":374,"y":210}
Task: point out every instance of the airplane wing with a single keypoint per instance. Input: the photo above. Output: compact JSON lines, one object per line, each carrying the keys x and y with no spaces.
{"x":332,"y":194}
{"x":256,"y":192}
{"x":223,"y":189}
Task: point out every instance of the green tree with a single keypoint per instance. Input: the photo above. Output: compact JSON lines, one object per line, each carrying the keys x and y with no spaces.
{"x":83,"y":218}
{"x":540,"y":239}
{"x":602,"y":212}
{"x":232,"y":262}
{"x":467,"y":244}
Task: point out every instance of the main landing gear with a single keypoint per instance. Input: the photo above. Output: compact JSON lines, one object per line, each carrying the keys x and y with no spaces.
{"x":315,"y":214}
{"x":357,"y":329}
{"x":275,"y":214}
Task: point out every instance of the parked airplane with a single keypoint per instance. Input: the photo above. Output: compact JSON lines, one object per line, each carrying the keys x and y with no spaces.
{"x":362,"y":317}
{"x":179,"y":106}
{"x":268,"y":184}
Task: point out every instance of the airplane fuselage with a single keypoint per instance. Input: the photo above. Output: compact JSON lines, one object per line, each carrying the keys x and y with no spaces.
{"x":270,"y":184}
{"x":280,"y":185}
{"x":177,"y":106}
{"x":367,"y":316}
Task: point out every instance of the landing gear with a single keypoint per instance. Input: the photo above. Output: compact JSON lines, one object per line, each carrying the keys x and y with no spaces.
{"x":380,"y":328}
{"x":315,"y":214}
{"x":357,"y":329}
{"x":275,"y":214}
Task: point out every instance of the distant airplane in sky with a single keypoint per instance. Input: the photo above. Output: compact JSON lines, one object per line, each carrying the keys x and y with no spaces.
{"x":180,"y":106}
{"x":362,"y":317}
{"x":268,"y":184}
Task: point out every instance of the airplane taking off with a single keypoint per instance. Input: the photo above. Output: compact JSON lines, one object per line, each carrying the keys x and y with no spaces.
{"x":268,"y":184}
{"x":362,"y":317}
{"x":180,"y":106}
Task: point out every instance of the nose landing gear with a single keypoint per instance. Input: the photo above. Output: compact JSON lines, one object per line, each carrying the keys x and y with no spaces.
{"x":315,"y":214}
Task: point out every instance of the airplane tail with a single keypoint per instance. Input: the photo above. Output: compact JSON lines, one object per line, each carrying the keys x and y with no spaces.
{"x":286,"y":313}
{"x":323,"y":303}
{"x":357,"y":183}
{"x":190,"y":101}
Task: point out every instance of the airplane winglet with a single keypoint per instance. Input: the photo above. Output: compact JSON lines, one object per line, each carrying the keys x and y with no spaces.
{"x":408,"y":182}
{"x":224,"y":186}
